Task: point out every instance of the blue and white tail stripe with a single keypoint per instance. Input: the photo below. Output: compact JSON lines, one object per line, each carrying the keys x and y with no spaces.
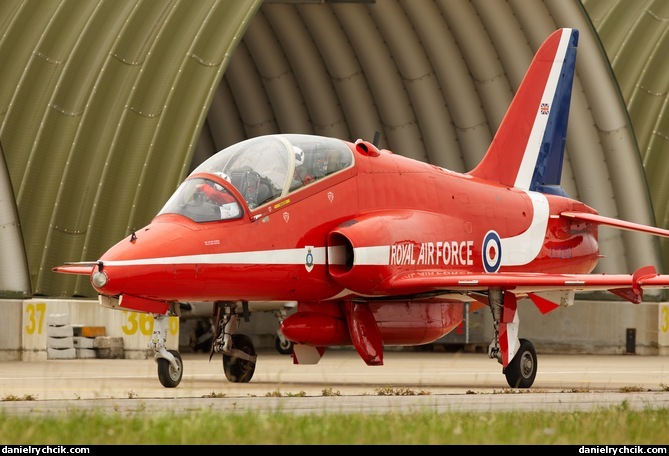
{"x":542,"y":162}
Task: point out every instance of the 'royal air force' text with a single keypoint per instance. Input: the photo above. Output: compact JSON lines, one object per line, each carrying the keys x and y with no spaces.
{"x":433,"y":253}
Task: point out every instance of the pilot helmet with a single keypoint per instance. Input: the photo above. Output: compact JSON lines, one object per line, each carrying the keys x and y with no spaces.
{"x":299,"y":156}
{"x":222,"y":175}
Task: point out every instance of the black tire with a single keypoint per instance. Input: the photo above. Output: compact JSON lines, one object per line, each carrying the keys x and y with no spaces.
{"x":522,"y":369}
{"x":284,"y":347}
{"x":169,"y":376}
{"x":239,"y":370}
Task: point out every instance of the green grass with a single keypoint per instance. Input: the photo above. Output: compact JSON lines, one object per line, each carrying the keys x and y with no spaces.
{"x":612,"y":426}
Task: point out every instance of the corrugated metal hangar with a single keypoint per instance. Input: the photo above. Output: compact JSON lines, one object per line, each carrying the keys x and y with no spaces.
{"x":105,"y":106}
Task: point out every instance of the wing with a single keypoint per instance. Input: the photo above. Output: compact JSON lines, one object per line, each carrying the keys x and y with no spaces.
{"x":627,"y":286}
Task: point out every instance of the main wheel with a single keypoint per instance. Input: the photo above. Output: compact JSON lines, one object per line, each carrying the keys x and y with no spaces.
{"x":283,"y":345}
{"x":522,"y":369}
{"x":238,"y":370}
{"x":169,"y":376}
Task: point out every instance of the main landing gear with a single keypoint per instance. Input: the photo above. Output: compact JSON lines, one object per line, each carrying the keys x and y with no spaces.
{"x":239,"y":355}
{"x":522,"y":369}
{"x":517,"y":356}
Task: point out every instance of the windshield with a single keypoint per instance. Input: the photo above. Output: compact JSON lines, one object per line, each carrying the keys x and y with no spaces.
{"x":263,"y":169}
{"x":203,"y":200}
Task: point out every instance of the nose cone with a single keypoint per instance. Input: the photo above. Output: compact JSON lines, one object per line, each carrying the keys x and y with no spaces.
{"x":156,"y":240}
{"x":143,"y":264}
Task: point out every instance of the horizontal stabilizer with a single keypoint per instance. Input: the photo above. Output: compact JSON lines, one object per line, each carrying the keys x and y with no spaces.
{"x":616,"y":223}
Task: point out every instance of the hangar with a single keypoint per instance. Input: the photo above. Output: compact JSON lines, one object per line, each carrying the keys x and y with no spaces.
{"x":106,"y":106}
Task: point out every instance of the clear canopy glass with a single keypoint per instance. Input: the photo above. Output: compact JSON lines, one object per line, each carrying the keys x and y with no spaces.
{"x":262,"y":169}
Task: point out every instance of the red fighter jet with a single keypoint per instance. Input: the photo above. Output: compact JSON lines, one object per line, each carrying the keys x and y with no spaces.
{"x":376,"y":249}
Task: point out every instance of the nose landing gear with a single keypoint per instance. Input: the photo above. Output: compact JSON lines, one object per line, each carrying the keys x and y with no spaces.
{"x":170,"y":364}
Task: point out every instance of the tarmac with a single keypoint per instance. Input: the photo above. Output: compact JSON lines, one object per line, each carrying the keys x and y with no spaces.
{"x":340,"y":383}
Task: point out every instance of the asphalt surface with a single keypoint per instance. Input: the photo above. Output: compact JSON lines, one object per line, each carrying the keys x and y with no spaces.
{"x":341,"y":382}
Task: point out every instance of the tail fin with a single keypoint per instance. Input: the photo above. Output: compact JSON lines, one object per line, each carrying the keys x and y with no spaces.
{"x":528,"y":149}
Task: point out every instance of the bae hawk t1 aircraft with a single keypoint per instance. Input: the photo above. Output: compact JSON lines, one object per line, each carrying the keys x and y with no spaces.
{"x":375,"y":248}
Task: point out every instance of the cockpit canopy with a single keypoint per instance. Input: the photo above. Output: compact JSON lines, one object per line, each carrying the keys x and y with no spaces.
{"x":262,"y":169}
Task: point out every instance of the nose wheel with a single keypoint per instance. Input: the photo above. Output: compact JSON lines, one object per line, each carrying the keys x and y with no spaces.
{"x":170,"y":372}
{"x":170,"y":364}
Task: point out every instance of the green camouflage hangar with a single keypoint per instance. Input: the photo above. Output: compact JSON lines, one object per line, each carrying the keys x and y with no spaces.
{"x":105,"y":107}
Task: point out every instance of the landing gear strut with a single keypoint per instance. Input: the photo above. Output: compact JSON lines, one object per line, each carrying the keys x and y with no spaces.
{"x":517,"y":356}
{"x":282,"y":345}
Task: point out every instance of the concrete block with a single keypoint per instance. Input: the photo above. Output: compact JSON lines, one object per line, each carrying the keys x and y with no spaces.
{"x":86,"y":353}
{"x":84,"y":342}
{"x":59,"y":331}
{"x":109,"y":347}
{"x":61,"y":319}
{"x":110,"y":353}
{"x":60,"y":342}
{"x":60,"y":353}
{"x":108,"y":342}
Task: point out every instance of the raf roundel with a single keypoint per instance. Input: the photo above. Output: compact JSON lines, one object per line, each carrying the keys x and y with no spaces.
{"x":492,"y":252}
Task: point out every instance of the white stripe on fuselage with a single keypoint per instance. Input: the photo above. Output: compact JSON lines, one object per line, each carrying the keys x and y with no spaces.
{"x":262,"y":257}
{"x":523,"y":248}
